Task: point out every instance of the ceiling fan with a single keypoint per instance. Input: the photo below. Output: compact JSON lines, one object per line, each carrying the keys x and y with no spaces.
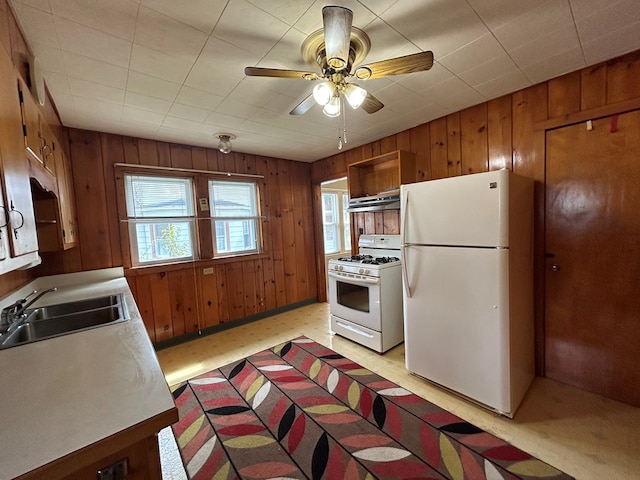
{"x":336,"y":49}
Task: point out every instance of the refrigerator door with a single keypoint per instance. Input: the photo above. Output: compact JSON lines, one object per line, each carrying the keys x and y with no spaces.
{"x":470,"y":210}
{"x":457,"y":320}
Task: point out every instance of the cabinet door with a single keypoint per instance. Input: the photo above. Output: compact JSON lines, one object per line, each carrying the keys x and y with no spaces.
{"x":15,"y":170}
{"x":33,"y":138}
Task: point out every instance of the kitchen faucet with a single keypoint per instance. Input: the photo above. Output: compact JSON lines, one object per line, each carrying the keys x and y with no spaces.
{"x":14,"y":311}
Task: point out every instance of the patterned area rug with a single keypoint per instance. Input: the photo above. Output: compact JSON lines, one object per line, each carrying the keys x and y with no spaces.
{"x":300,"y":410}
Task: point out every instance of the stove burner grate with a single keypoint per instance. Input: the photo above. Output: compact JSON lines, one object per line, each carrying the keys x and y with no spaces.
{"x":369,"y":259}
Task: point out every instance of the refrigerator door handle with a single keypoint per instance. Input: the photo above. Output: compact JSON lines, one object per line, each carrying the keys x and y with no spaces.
{"x":405,"y":276}
{"x":403,"y":246}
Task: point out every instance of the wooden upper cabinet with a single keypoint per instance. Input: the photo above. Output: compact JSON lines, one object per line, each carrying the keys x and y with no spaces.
{"x":17,"y":207}
{"x":381,"y":175}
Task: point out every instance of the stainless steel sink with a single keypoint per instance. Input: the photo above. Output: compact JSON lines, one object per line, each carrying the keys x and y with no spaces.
{"x":75,"y":307}
{"x":65,"y":318}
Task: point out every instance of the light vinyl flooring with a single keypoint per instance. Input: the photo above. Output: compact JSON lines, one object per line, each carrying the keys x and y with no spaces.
{"x":585,"y":435}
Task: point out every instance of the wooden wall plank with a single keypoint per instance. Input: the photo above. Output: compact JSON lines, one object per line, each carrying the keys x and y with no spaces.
{"x":420,"y":146}
{"x":130,"y":146}
{"x":378,"y":220}
{"x":177,"y":292}
{"x":222,"y":293}
{"x":199,"y":158}
{"x":475,"y":152}
{"x":403,"y":140}
{"x":147,"y":152}
{"x":391,"y":222}
{"x":454,"y":147}
{"x":162,"y":313}
{"x":619,"y":73}
{"x":144,"y":301}
{"x":180,"y":156}
{"x":593,"y":87}
{"x":250,"y":287}
{"x":112,"y":148}
{"x":499,"y":129}
{"x":438,"y":139}
{"x":210,"y":293}
{"x":164,"y":154}
{"x":235,"y":290}
{"x":92,"y":211}
{"x":564,"y":95}
{"x":276,"y":231}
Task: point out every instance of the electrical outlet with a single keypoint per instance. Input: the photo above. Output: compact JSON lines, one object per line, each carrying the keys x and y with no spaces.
{"x":207,"y":271}
{"x":115,"y":471}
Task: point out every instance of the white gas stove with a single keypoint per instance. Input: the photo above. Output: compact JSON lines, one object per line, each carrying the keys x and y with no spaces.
{"x":365,"y":293}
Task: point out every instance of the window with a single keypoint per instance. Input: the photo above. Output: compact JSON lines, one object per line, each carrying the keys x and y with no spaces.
{"x":335,"y":218}
{"x":234,"y":215}
{"x":161,"y":218}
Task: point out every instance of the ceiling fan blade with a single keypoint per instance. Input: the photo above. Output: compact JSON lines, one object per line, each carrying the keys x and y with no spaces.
{"x":337,"y":35}
{"x":371,"y":104}
{"x":279,"y":73}
{"x":303,"y":106}
{"x":417,"y":62}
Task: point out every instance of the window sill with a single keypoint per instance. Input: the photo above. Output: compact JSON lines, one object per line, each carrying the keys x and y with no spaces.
{"x":202,"y":263}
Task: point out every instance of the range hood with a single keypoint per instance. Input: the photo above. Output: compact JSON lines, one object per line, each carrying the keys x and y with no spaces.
{"x":382,"y":201}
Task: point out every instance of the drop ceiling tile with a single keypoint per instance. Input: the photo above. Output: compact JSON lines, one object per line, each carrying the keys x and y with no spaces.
{"x":608,"y":20}
{"x":586,"y":8}
{"x":152,"y":86}
{"x":51,"y":58}
{"x":43,"y":5}
{"x":143,"y":115}
{"x":378,"y":6}
{"x":420,"y":82}
{"x":212,"y":81}
{"x":189,"y":113}
{"x":548,"y":16}
{"x":473,"y":54}
{"x":88,"y":107}
{"x":255,"y":93}
{"x":616,"y":43}
{"x":200,"y":14}
{"x":159,"y":64}
{"x":386,"y":43}
{"x":97,"y":91}
{"x":441,"y":27}
{"x":159,"y":32}
{"x":144,"y":102}
{"x":259,"y":31}
{"x":186,"y":124}
{"x":499,"y":86}
{"x":95,"y":70}
{"x":58,"y":85}
{"x":489,"y":70}
{"x":234,"y":108}
{"x":286,"y":54}
{"x":545,"y":47}
{"x":226,"y":122}
{"x":92,"y":43}
{"x":453,"y":93}
{"x":198,"y":98}
{"x":498,"y":12}
{"x":225,"y":58}
{"x":554,"y":66}
{"x":38,"y":25}
{"x":288,"y":11}
{"x":115,"y":17}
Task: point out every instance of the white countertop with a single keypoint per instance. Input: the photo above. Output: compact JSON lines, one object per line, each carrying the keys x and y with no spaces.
{"x":62,"y":394}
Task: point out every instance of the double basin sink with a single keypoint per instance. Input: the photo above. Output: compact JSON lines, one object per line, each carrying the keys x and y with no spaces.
{"x":65,"y":318}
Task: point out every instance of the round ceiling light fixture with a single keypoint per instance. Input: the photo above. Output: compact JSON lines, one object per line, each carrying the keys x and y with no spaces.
{"x":224,"y":141}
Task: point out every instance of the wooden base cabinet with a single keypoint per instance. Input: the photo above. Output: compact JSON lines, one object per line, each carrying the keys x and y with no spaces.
{"x":136,"y":446}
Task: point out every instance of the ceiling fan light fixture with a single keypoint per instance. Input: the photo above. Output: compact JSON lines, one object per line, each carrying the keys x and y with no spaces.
{"x":332,"y":109}
{"x":224,"y":142}
{"x":355,"y":95}
{"x":324,"y":92}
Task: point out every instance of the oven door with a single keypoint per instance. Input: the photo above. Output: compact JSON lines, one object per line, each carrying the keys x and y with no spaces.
{"x":355,"y":298}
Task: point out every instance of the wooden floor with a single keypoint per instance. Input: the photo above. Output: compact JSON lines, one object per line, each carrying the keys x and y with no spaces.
{"x":587,"y":436}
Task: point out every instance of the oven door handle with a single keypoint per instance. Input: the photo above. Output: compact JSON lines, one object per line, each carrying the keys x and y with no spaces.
{"x":404,"y":246}
{"x":367,"y":281}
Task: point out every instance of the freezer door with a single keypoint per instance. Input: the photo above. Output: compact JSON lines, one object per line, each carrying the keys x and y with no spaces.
{"x":470,"y":210}
{"x":457,"y":321}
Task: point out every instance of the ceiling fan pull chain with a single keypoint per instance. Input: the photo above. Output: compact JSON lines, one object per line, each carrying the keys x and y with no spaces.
{"x":344,"y":125}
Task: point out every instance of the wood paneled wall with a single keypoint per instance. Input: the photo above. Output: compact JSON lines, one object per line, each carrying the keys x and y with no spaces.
{"x":507,"y":132}
{"x":179,"y":299}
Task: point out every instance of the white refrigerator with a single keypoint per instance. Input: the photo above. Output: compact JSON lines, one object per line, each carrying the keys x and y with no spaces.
{"x":467,"y":259}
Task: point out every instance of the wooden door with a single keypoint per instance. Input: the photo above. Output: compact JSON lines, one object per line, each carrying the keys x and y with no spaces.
{"x":592,"y":298}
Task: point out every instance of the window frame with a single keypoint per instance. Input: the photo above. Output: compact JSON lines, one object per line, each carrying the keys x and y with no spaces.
{"x":256,"y":219}
{"x":342,"y":227}
{"x":133,"y":221}
{"x":204,"y":248}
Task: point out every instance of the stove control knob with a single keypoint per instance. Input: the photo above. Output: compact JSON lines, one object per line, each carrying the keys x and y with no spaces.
{"x":367,"y":271}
